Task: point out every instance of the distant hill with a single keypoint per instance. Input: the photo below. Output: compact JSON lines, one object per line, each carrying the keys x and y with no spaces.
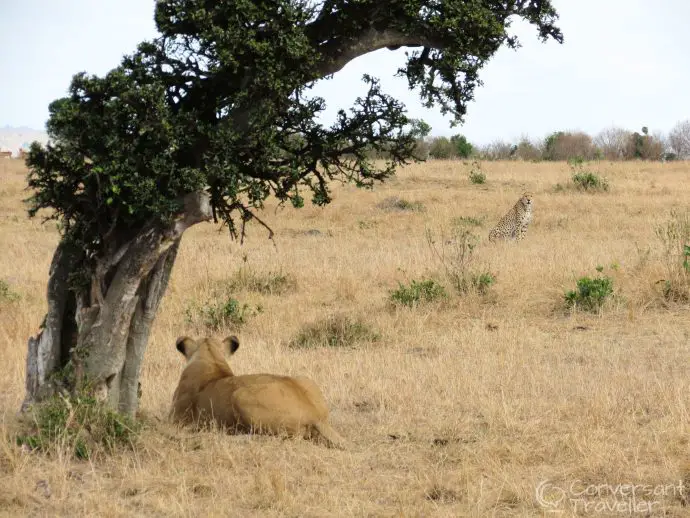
{"x":11,"y":139}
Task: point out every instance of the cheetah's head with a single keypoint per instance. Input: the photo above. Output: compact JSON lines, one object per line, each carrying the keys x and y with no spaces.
{"x":526,"y":199}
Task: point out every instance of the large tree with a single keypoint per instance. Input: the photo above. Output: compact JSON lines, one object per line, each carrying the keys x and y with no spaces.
{"x":206,"y":122}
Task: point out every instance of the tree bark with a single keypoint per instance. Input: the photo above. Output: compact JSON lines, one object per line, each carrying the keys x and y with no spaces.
{"x":45,"y":354}
{"x":101,"y":336}
{"x":152,"y":291}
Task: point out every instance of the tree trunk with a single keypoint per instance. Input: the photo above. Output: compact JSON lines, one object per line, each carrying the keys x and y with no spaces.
{"x":95,"y":340}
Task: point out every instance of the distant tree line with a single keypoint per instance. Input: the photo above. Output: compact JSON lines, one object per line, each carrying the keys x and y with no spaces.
{"x":612,"y":143}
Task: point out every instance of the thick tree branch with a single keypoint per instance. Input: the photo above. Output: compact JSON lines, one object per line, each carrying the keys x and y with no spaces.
{"x":369,"y":41}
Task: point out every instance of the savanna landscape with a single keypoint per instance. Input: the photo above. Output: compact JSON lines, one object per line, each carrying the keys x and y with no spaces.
{"x":463,"y":381}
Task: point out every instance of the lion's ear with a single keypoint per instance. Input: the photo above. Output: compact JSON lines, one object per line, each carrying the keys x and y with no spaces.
{"x":232,"y":344}
{"x":187,"y":346}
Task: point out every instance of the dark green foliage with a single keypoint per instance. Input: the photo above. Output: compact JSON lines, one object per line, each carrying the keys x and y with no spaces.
{"x":463,"y":148}
{"x":419,"y":128}
{"x":417,"y":292}
{"x":221,"y":102}
{"x":591,"y":293}
{"x":79,"y":426}
{"x":335,"y":331}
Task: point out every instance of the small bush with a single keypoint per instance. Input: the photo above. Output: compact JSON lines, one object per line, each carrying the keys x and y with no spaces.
{"x":334,"y":331}
{"x":585,"y":180}
{"x":227,"y":313}
{"x":80,"y":426}
{"x":270,"y":283}
{"x":395,"y":203}
{"x":588,"y":181}
{"x":591,"y":293}
{"x":482,"y":282}
{"x":6,"y":293}
{"x":456,"y":256}
{"x":417,"y":292}
{"x":477,"y":176}
{"x":675,"y":238}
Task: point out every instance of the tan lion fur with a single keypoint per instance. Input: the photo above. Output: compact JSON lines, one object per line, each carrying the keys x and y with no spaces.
{"x":208,"y":391}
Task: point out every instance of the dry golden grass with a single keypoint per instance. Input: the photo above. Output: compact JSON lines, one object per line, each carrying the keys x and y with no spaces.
{"x":460,"y":408}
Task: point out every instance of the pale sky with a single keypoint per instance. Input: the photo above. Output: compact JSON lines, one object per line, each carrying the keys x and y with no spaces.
{"x":623,"y":63}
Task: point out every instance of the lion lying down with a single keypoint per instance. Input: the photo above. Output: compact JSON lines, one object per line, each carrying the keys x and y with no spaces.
{"x":259,"y":403}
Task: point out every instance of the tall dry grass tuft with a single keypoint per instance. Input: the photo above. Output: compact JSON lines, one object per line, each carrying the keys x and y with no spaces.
{"x":460,"y":406}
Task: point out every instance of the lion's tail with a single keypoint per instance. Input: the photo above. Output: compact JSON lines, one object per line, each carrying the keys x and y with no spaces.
{"x":328,"y":435}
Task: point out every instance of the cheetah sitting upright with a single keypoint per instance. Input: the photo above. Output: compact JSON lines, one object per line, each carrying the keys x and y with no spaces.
{"x":514,"y":224}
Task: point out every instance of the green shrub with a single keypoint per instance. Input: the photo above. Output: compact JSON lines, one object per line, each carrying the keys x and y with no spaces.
{"x":417,"y":292}
{"x":335,"y":331}
{"x":216,"y":315}
{"x":482,"y":282}
{"x":590,"y":293}
{"x":476,"y":174}
{"x":6,"y":293}
{"x":585,"y":180}
{"x":79,"y":426}
{"x":588,"y":181}
{"x":477,"y":177}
